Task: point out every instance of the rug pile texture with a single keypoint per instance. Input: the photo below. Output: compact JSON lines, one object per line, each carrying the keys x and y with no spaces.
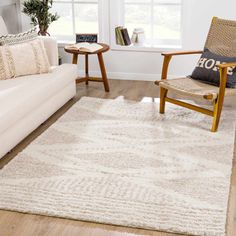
{"x":121,"y":162}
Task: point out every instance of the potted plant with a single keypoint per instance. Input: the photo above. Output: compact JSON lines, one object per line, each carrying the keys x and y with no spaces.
{"x":38,"y":11}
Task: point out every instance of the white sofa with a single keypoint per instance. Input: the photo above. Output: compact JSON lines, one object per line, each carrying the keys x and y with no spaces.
{"x":26,"y":102}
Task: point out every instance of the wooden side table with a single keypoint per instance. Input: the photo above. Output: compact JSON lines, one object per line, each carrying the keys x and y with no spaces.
{"x":87,"y":78}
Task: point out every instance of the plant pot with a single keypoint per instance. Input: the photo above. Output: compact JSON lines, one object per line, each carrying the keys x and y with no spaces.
{"x":43,"y":30}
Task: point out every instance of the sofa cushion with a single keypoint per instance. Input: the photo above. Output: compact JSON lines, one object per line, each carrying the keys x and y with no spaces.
{"x":51,"y":47}
{"x":19,"y":97}
{"x":23,"y":59}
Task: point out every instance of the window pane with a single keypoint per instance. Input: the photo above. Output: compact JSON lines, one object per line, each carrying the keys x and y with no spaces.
{"x":76,"y":16}
{"x":167,"y":22}
{"x":64,"y":25}
{"x":138,"y":16}
{"x":86,"y":18}
{"x":160,"y":19}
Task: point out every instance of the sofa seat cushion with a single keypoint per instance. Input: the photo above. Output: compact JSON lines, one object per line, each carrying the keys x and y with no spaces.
{"x":19,"y":97}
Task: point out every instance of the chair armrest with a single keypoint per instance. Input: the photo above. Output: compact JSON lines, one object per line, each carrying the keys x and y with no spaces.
{"x":51,"y":47}
{"x":226,"y":65}
{"x":167,"y":59}
{"x":223,"y":70}
{"x":181,"y":53}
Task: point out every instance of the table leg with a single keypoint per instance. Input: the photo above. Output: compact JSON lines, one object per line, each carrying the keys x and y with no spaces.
{"x":103,"y":72}
{"x":86,"y":68}
{"x":75,"y":59}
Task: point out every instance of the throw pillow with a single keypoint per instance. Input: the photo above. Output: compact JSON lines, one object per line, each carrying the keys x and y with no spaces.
{"x":206,"y":70}
{"x":10,"y":39}
{"x":23,"y":59}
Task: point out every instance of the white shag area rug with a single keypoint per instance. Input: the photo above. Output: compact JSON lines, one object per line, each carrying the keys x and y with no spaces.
{"x":122,"y":163}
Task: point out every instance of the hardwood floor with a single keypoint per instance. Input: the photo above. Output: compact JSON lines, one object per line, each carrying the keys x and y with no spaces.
{"x":18,"y":224}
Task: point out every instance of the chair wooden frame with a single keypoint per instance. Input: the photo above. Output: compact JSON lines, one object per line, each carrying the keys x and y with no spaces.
{"x":218,"y":102}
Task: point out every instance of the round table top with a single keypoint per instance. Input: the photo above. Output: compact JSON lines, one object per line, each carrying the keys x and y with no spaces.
{"x":104,"y":48}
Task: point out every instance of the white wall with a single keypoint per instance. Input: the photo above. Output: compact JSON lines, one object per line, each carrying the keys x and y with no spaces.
{"x":147,"y":65}
{"x":9,"y":10}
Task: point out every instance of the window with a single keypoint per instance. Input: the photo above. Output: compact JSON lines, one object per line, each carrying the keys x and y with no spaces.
{"x":76,"y":16}
{"x":160,"y":19}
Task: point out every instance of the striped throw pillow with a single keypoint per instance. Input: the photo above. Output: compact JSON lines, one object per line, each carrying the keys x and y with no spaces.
{"x":23,"y":59}
{"x":11,"y":39}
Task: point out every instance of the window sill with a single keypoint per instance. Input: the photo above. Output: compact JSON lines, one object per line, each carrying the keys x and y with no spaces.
{"x":63,"y":43}
{"x":131,"y":48}
{"x":145,"y":48}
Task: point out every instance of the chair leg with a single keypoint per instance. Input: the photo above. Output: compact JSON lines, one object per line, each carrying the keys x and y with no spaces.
{"x":163,"y":94}
{"x":218,"y":103}
{"x":217,"y":113}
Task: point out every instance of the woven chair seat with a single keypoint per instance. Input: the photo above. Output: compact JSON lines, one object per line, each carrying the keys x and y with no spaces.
{"x":191,"y":87}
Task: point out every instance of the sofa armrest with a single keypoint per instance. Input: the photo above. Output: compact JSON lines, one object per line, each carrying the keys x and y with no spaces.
{"x":51,"y":47}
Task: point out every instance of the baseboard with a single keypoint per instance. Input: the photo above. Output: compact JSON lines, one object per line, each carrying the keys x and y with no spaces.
{"x":128,"y":76}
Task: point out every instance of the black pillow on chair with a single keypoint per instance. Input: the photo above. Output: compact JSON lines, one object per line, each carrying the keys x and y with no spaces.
{"x":206,"y":70}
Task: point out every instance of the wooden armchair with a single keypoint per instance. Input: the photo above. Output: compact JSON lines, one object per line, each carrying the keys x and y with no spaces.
{"x":221,"y":40}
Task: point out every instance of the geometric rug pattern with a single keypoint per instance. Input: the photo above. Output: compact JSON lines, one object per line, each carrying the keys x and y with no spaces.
{"x":120,"y":162}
